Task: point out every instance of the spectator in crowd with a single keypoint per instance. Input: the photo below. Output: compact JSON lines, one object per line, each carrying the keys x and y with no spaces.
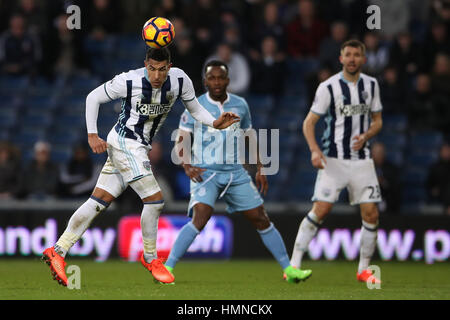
{"x":306,"y":32}
{"x":436,"y":42}
{"x":268,"y":69}
{"x":377,"y":54}
{"x":79,"y":175}
{"x":392,"y":91}
{"x":63,"y":50}
{"x":167,"y":8}
{"x":269,"y":26}
{"x":438,"y":180}
{"x":421,"y":109}
{"x":186,"y":57}
{"x":388,"y":178}
{"x":103,"y":19}
{"x":202,"y":16}
{"x":35,"y":13}
{"x":405,"y":55}
{"x":9,"y":170}
{"x":40,"y":179}
{"x":20,"y":52}
{"x":238,"y":68}
{"x":440,"y":82}
{"x":330,"y":48}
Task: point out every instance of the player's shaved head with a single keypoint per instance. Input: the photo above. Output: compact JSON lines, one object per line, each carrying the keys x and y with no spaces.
{"x":216,"y":63}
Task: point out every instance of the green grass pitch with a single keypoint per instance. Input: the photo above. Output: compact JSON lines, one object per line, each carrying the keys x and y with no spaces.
{"x":224,"y":280}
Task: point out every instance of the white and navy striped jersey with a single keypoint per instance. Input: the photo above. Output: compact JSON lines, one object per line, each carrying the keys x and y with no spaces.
{"x":347,"y":107}
{"x":144,"y":109}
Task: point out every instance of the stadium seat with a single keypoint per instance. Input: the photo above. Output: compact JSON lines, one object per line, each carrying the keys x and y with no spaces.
{"x":8,"y":117}
{"x":12,"y":85}
{"x":260,"y":103}
{"x":414,"y":195}
{"x":395,"y":123}
{"x":426,"y":141}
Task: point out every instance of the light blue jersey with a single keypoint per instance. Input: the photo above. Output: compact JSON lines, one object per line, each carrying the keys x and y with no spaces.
{"x":205,"y":137}
{"x":225,"y":177}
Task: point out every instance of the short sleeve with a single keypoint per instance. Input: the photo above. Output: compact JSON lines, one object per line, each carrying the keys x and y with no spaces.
{"x":116,"y":88}
{"x":321,"y":101}
{"x":188,"y":91}
{"x":375,"y":105}
{"x":246,"y":121}
{"x":186,"y":122}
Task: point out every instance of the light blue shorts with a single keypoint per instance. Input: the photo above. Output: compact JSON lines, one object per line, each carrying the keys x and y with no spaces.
{"x":235,"y":187}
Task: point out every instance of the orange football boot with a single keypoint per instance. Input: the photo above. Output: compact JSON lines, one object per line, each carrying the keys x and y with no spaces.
{"x":367,"y":276}
{"x":158,"y":270}
{"x":57,"y":265}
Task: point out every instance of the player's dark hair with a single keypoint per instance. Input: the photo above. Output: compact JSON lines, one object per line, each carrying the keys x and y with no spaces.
{"x":215,"y":63}
{"x":162,"y":54}
{"x":354,"y":43}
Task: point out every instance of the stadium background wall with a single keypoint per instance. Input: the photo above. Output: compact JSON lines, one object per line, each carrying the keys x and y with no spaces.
{"x":413,"y":237}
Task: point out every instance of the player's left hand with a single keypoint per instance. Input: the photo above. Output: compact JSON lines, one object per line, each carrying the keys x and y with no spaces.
{"x":225,"y":120}
{"x":359,"y":141}
{"x":261,"y":182}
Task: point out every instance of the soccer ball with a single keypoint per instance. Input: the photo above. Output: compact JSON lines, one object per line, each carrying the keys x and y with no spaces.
{"x":158,"y":32}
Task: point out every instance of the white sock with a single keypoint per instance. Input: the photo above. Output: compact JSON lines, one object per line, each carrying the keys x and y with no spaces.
{"x":78,"y":223}
{"x":149,"y":225}
{"x":368,"y":244}
{"x":306,"y":232}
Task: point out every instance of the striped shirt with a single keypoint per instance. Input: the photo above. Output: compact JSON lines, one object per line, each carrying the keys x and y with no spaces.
{"x":144,"y":109}
{"x":347,"y":107}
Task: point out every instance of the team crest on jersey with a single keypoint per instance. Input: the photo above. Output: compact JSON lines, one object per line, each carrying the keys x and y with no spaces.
{"x":169,"y":95}
{"x":365,"y":95}
{"x":326,"y":192}
{"x":147,"y":165}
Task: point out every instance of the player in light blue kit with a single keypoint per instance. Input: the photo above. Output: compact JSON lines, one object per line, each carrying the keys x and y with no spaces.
{"x":219,"y":174}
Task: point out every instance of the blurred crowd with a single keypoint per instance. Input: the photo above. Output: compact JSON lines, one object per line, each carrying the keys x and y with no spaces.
{"x":259,"y":40}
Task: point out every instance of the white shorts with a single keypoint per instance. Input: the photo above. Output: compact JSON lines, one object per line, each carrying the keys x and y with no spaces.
{"x":127,"y":162}
{"x":358,"y":176}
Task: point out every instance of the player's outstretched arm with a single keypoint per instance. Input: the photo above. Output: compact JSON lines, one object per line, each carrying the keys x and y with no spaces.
{"x":317,"y":158}
{"x":375,"y":126}
{"x":199,"y":113}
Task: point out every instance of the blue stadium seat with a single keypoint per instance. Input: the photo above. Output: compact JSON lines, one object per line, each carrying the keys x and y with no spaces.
{"x":415,"y":176}
{"x":395,"y":123}
{"x":12,"y":85}
{"x":40,"y":102}
{"x":422,"y":159}
{"x":83,"y":84}
{"x":61,"y":153}
{"x":8,"y":117}
{"x":292,"y":104}
{"x":259,"y":103}
{"x":36,"y":120}
{"x":426,"y":141}
{"x":392,"y":141}
{"x":414,"y":195}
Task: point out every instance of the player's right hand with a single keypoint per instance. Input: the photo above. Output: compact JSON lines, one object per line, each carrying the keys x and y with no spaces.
{"x":194,"y":173}
{"x":97,"y":144}
{"x":318,"y":159}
